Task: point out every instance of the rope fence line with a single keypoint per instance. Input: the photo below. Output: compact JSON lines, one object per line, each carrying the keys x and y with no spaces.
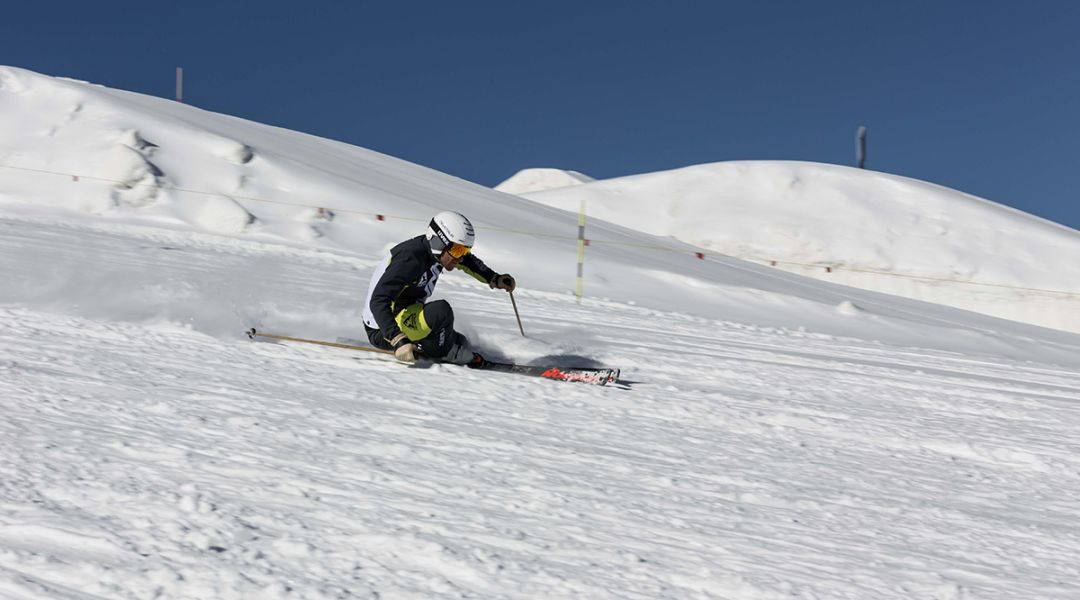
{"x":579,"y":239}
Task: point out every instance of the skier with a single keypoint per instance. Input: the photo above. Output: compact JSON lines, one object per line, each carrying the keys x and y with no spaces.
{"x":396,"y":316}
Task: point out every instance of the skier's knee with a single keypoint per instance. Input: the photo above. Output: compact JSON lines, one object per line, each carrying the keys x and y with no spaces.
{"x":438,"y":315}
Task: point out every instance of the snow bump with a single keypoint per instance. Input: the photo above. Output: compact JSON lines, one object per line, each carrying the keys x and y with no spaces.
{"x":234,"y":152}
{"x":214,"y":214}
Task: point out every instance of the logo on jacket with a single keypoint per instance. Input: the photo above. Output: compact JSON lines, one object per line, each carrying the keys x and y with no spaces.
{"x":428,"y":279}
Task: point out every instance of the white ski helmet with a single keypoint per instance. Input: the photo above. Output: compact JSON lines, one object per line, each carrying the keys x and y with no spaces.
{"x":449,"y":228}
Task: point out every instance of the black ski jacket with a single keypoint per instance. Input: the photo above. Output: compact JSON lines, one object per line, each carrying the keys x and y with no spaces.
{"x":407,"y":276}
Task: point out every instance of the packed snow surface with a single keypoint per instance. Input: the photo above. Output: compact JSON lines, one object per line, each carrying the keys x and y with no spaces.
{"x":773,"y":436}
{"x":861,"y":228}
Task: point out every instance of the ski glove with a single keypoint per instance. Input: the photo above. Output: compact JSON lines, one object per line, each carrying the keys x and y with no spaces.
{"x":503,"y":282}
{"x":404,"y":350}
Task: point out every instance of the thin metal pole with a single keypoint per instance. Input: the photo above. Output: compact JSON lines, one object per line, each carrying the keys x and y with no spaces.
{"x":514,"y":302}
{"x":580,"y":252}
{"x":179,"y":84}
{"x":860,"y":147}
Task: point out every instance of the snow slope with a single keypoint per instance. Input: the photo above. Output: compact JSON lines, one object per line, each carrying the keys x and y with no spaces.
{"x":872,"y":230}
{"x":140,"y":457}
{"x":776,"y":436}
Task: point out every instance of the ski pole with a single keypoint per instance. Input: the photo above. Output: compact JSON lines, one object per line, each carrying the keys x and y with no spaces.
{"x":514,"y":302}
{"x":251,"y":333}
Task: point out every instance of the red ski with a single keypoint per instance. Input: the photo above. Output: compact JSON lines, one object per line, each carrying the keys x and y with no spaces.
{"x":601,"y":376}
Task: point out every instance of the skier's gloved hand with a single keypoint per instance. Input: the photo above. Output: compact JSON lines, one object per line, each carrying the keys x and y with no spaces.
{"x":503,"y":282}
{"x":404,"y":350}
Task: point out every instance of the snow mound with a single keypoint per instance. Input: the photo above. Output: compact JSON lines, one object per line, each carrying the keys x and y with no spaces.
{"x":72,"y":145}
{"x":216,"y":214}
{"x":535,"y":180}
{"x":860,"y":228}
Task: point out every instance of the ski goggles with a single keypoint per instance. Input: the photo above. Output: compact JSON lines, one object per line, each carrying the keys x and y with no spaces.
{"x":457,"y":250}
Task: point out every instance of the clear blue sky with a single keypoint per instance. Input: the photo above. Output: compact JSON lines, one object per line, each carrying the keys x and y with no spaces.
{"x":981,"y":96}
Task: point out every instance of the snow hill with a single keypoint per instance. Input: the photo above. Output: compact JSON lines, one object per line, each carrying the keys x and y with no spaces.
{"x":534,"y":180}
{"x":860,"y":228}
{"x":775,"y":436}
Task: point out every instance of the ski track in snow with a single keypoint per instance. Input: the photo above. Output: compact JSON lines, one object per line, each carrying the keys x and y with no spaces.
{"x":149,"y":450}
